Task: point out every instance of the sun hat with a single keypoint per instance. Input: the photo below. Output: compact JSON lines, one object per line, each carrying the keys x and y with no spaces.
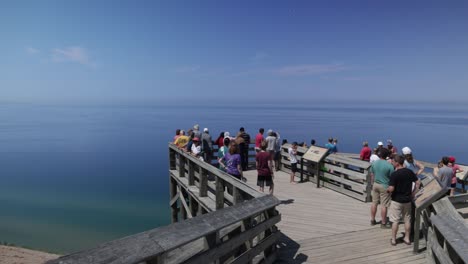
{"x":406,"y":151}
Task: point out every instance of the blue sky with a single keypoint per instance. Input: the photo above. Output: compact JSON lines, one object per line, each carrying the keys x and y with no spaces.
{"x":268,"y":51}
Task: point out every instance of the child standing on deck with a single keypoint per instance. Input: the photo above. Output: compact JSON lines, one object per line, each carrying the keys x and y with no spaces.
{"x":292,"y":151}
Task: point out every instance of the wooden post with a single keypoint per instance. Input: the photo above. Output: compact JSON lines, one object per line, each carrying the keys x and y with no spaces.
{"x":236,"y":196}
{"x":173,"y":191}
{"x":172,"y":159}
{"x":181,"y":166}
{"x":219,"y":193}
{"x":191,"y":174}
{"x":319,"y":165}
{"x":183,"y":206}
{"x":203,"y":182}
{"x":302,"y":170}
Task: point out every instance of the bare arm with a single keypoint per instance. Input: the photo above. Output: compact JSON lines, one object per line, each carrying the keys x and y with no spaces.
{"x":420,"y":166}
{"x":416,"y":187}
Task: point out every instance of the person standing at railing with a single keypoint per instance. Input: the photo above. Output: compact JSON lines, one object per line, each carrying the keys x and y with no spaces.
{"x":244,"y":148}
{"x":380,"y":172}
{"x":445,"y":175}
{"x":220,"y":140}
{"x":264,"y":165}
{"x":196,"y":148}
{"x":259,"y":139}
{"x":401,"y":189}
{"x":411,"y":163}
{"x":292,"y":151}
{"x":329,"y":145}
{"x":455,"y":169}
{"x":182,"y":140}
{"x":232,"y":162}
{"x":365,"y":151}
{"x":207,"y":145}
{"x":222,"y":151}
{"x":393,"y":149}
{"x":277,"y":151}
{"x":271,"y":143}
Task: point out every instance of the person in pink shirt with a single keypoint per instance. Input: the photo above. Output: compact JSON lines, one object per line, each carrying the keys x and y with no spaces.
{"x":177,"y":132}
{"x":365,"y":151}
{"x":259,"y":139}
{"x":455,"y":169}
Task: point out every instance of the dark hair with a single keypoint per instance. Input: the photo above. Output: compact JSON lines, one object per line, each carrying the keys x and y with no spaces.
{"x":312,"y":142}
{"x":330,"y":140}
{"x":294,"y":143}
{"x":233,"y":148}
{"x":274,"y":134}
{"x":177,"y":131}
{"x":241,"y":129}
{"x":400,"y":159}
{"x":221,"y":135}
{"x":383,"y":153}
{"x":445,"y":160}
{"x":284,"y":141}
{"x":226,"y":141}
{"x":261,"y":130}
{"x":409,"y":158}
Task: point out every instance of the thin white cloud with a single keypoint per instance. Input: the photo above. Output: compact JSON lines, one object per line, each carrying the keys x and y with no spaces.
{"x":260,"y":56}
{"x":72,"y":54}
{"x":187,"y":69}
{"x":31,"y":50}
{"x":309,"y":69}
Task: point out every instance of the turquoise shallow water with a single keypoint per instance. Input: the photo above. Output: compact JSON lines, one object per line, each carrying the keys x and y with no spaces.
{"x":75,"y":176}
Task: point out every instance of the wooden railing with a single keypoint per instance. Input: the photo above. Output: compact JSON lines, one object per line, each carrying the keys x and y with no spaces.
{"x":338,"y":172}
{"x":446,"y":230}
{"x":225,"y":221}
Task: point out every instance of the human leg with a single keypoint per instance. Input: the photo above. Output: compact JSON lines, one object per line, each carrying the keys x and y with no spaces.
{"x":375,"y":201}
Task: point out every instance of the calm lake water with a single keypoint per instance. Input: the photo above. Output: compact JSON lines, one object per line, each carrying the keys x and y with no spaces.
{"x":75,"y":176}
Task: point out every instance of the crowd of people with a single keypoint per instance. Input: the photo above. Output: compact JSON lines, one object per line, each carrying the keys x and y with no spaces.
{"x":233,"y":152}
{"x":396,"y":179}
{"x":395,"y":176}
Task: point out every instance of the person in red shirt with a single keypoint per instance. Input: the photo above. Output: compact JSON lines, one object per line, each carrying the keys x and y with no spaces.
{"x":259,"y":139}
{"x":365,"y":151}
{"x":220,"y":140}
{"x":264,"y":165}
{"x":455,"y":169}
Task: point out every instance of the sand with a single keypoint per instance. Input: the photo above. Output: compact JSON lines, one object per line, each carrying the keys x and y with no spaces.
{"x":14,"y":255}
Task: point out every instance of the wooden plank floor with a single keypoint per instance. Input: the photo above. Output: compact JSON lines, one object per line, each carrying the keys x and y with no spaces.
{"x":324,"y":226}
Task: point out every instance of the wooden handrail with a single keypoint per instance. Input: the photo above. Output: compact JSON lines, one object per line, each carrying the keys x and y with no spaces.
{"x":155,"y":246}
{"x":447,"y":232}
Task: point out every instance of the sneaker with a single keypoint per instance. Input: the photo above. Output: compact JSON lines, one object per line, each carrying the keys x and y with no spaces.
{"x":385,"y":226}
{"x":373,"y":222}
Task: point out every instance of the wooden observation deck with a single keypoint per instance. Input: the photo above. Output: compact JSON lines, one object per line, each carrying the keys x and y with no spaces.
{"x":325,"y":219}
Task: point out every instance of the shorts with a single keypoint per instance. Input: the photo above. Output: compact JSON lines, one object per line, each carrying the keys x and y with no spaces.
{"x":380,"y":195}
{"x":399,"y":211}
{"x":294,"y":167}
{"x":453,"y":185}
{"x":263,"y":180}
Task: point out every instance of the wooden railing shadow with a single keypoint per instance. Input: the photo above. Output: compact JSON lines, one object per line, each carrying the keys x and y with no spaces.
{"x":288,"y":251}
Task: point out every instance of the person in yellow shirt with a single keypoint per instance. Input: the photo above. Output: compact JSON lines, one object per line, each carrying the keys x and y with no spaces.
{"x":182,"y":140}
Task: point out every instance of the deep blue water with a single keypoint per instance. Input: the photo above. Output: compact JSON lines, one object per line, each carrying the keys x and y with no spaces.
{"x":75,"y":176}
